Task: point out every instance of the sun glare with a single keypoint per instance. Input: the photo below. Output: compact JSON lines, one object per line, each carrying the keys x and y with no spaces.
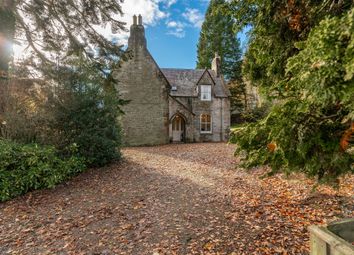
{"x":19,"y":51}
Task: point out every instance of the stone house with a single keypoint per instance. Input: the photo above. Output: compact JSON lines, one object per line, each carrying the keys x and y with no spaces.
{"x":170,"y":105}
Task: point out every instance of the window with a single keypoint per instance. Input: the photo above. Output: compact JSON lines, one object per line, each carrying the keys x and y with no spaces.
{"x":176,"y":123}
{"x":205,"y":92}
{"x":205,"y":123}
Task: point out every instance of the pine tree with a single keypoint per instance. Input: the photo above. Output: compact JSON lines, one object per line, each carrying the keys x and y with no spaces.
{"x":301,"y":55}
{"x":238,"y":99}
{"x":276,"y":26}
{"x":54,"y":30}
{"x":217,"y":35}
{"x":84,"y":114}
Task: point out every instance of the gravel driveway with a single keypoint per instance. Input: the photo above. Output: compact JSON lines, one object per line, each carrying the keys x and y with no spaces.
{"x":173,"y":199}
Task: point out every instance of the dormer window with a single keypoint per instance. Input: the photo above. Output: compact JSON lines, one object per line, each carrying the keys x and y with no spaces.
{"x":205,"y":92}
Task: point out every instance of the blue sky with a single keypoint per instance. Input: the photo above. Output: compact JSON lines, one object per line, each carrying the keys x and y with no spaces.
{"x":172,"y":28}
{"x":173,"y":42}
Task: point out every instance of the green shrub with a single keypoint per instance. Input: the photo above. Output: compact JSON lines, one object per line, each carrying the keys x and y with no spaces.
{"x":86,"y":115}
{"x":29,"y":167}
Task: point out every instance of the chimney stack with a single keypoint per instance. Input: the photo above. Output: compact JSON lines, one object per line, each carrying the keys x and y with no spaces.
{"x":216,"y":64}
{"x":137,"y":34}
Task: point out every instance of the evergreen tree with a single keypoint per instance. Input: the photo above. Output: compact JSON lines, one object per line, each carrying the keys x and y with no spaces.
{"x":217,"y":35}
{"x":85,"y":115}
{"x":54,"y":30}
{"x":276,"y":26}
{"x":238,"y":99}
{"x":65,"y":46}
{"x":303,"y":59}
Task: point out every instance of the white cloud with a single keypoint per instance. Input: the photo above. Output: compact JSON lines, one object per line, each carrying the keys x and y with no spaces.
{"x":152,"y":12}
{"x":149,"y":10}
{"x":172,"y":24}
{"x":169,"y":3}
{"x":176,"y":28}
{"x":194,"y":17}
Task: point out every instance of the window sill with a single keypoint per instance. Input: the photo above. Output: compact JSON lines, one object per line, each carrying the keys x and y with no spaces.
{"x":206,"y":132}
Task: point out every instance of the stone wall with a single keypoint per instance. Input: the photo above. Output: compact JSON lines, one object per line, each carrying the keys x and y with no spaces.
{"x":146,"y":119}
{"x":218,"y":108}
{"x":181,"y":106}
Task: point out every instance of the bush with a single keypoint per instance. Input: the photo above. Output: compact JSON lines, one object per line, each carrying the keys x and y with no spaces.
{"x":87,"y":118}
{"x":85,"y":115}
{"x":66,"y":124}
{"x":29,"y":167}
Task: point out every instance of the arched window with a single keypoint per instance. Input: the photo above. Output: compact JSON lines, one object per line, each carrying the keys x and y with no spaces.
{"x":205,"y":123}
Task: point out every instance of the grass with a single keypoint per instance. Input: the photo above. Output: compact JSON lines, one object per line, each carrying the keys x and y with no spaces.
{"x":236,"y":126}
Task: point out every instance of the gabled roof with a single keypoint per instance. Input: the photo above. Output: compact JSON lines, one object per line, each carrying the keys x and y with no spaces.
{"x":186,"y":80}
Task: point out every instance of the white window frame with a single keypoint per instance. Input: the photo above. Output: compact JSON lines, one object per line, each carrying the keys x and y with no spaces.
{"x":204,"y":92}
{"x":201,"y":123}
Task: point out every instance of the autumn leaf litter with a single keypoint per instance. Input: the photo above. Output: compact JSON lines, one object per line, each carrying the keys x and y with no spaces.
{"x":173,"y":199}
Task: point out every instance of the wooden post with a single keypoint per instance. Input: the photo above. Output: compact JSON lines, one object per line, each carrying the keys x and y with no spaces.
{"x":324,"y":242}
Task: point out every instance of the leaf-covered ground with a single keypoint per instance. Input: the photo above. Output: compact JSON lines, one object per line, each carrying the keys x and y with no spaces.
{"x":173,"y":199}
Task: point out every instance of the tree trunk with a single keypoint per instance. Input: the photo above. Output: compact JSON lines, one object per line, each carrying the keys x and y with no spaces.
{"x":7,"y":32}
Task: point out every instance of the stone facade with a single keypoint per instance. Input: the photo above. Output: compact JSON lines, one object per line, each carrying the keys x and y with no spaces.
{"x":165,"y":105}
{"x":140,"y":81}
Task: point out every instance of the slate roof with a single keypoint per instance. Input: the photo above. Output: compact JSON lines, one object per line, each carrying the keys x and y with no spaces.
{"x":186,"y":82}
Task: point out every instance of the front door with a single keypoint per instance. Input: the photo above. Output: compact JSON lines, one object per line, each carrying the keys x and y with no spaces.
{"x":177,"y":129}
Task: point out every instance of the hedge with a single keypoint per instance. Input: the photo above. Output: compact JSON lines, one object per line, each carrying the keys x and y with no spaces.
{"x":29,"y":167}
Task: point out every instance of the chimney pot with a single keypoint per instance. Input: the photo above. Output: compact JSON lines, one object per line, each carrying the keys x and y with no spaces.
{"x":140,"y":20}
{"x":135,"y":19}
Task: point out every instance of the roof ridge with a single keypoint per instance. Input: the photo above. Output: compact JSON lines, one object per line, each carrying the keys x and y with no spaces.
{"x":189,"y":69}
